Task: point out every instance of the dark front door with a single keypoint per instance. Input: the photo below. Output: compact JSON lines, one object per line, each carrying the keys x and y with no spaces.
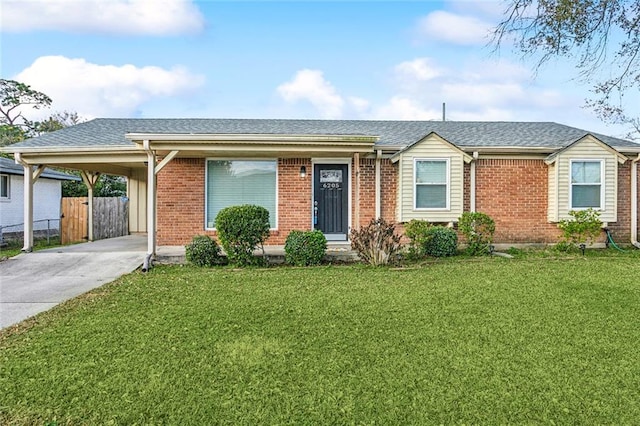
{"x":331,"y":200}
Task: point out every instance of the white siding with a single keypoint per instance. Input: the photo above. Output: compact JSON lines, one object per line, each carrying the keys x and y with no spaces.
{"x":46,"y":203}
{"x":430,"y":147}
{"x":588,"y":149}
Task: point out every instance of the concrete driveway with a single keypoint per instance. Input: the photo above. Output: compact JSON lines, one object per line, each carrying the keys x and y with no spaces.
{"x":31,"y":283}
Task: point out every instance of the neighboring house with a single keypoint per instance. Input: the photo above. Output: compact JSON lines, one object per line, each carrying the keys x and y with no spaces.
{"x":335,"y":175}
{"x":47,"y":196}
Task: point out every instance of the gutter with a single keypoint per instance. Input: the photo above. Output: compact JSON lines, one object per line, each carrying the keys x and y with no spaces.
{"x":634,"y":202}
{"x":151,"y":205}
{"x":472,"y":183}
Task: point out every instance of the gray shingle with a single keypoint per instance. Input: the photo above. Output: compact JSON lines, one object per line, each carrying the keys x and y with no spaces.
{"x":9,"y":166}
{"x":110,"y":132}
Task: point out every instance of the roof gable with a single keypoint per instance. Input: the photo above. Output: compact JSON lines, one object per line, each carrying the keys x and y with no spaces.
{"x":583,"y":140}
{"x":430,"y":138}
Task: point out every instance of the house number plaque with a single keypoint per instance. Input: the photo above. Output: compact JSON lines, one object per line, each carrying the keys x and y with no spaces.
{"x":331,"y":179}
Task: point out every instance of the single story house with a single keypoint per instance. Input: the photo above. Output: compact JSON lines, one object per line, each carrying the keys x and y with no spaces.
{"x":47,"y":194}
{"x":335,"y":175}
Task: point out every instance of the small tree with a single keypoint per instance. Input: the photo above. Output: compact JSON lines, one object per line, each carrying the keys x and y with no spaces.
{"x":478,"y":229}
{"x":377,"y":243}
{"x":241,"y":230}
{"x":418,"y":233}
{"x":584,"y":228}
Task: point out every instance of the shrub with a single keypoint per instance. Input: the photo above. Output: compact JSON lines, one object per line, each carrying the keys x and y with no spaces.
{"x":304,"y":248}
{"x":583,"y":228}
{"x":242,"y":229}
{"x":418,"y":233}
{"x":478,"y":229}
{"x":376,"y":243}
{"x":441,"y":242}
{"x":203,"y":251}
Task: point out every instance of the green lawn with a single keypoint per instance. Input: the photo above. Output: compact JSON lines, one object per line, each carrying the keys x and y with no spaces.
{"x":490,"y":341}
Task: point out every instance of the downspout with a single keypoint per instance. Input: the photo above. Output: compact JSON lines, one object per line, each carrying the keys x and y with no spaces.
{"x":28,"y":203}
{"x":472,"y":183}
{"x":151,"y":205}
{"x":378,"y":184}
{"x":634,"y":202}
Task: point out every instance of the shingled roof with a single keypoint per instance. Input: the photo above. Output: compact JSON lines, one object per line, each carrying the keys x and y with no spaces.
{"x":110,"y":132}
{"x":8,"y":166}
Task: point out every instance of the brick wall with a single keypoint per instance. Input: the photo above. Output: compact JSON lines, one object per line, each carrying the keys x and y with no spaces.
{"x":620,"y":230}
{"x":514,"y":193}
{"x":180,"y":201}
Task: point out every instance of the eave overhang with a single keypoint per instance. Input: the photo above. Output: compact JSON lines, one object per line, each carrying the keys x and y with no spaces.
{"x":254,"y":142}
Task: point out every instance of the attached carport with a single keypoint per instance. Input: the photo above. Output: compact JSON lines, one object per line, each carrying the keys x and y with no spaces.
{"x":140,"y":149}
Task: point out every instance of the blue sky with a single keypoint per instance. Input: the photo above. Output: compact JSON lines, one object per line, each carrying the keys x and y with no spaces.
{"x":293,"y":59}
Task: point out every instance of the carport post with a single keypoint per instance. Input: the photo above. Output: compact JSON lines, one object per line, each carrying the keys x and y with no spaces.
{"x":151,"y":200}
{"x":28,"y":208}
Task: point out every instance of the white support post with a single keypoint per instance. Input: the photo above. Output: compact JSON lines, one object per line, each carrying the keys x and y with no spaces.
{"x":90,"y":179}
{"x":28,"y":208}
{"x":634,"y":202}
{"x":378,"y":184}
{"x":151,"y":202}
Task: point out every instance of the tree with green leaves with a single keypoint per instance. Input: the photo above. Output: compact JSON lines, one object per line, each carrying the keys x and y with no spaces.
{"x":602,"y":37}
{"x":15,"y":127}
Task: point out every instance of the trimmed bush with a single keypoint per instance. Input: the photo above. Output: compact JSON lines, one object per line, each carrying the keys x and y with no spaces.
{"x":478,"y":229}
{"x":241,"y":230}
{"x":584,"y":228}
{"x":441,"y":242}
{"x":377,"y":243}
{"x":418,"y":233}
{"x":305,"y":248}
{"x":203,"y":251}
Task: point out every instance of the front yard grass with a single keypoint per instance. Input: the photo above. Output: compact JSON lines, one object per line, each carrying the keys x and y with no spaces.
{"x":494,"y":341}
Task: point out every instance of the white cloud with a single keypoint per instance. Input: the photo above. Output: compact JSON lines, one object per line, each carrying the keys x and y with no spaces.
{"x":419,"y":69}
{"x":94,"y":90}
{"x":129,"y":17}
{"x":404,"y":108}
{"x":452,"y":28}
{"x":311,"y":86}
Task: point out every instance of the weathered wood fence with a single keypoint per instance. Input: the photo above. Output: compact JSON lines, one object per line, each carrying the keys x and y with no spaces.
{"x":110,"y":218}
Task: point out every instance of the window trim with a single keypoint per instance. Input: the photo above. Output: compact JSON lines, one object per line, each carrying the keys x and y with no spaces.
{"x":602,"y":163}
{"x":8,"y":177}
{"x":206,"y":186}
{"x":447,"y":184}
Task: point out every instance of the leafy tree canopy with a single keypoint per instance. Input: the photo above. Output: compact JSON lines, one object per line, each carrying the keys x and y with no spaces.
{"x":601,"y":36}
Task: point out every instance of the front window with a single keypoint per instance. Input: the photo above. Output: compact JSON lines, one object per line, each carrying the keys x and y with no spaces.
{"x":586,"y":184}
{"x":431,"y":179}
{"x":4,"y":187}
{"x":237,"y":182}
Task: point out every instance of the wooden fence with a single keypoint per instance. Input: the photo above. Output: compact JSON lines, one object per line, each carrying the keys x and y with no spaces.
{"x":110,"y":218}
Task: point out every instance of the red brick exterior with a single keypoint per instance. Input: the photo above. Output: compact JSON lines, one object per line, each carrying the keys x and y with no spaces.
{"x":513,"y":192}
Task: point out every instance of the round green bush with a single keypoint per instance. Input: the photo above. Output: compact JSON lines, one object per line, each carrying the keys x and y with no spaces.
{"x":305,"y":248}
{"x":441,"y":242}
{"x":241,"y":230}
{"x":203,"y":251}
